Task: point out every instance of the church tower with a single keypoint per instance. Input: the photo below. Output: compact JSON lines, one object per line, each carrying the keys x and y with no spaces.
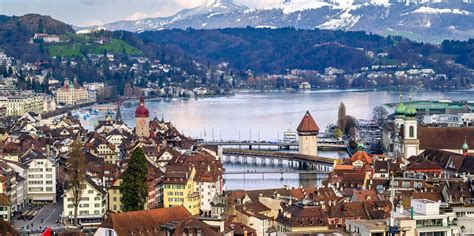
{"x":465,"y":147}
{"x":142,"y":120}
{"x":411,"y":143}
{"x":399,"y":126}
{"x":308,"y":135}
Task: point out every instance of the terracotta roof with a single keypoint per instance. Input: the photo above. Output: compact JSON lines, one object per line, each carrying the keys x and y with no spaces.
{"x":208,"y":168}
{"x":362,"y":156}
{"x":190,"y":226}
{"x":303,"y":216}
{"x":348,"y":209}
{"x":423,"y":165}
{"x":147,"y":222}
{"x":365,"y":195}
{"x":308,"y":124}
{"x":241,"y":229}
{"x":445,"y":137}
{"x":433,"y":196}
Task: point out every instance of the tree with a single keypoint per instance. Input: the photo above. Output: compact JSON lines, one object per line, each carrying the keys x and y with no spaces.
{"x":351,"y":126}
{"x":337,"y":133}
{"x":379,"y":114}
{"x":76,"y":169}
{"x":134,"y":187}
{"x":342,"y":117}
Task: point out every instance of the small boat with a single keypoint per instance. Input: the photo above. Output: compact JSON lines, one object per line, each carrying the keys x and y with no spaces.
{"x":290,"y":136}
{"x":94,"y":111}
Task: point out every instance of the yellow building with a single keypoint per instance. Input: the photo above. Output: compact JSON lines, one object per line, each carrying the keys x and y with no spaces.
{"x":71,"y":94}
{"x":179,"y":188}
{"x":115,"y":197}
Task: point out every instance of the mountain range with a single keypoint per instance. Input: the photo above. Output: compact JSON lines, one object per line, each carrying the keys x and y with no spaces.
{"x":419,"y":20}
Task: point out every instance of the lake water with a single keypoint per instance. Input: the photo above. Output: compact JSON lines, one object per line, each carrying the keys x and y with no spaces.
{"x":265,"y":116}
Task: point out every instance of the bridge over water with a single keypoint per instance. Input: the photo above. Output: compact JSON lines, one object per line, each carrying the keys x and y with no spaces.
{"x":322,"y":145}
{"x":309,"y":174}
{"x":292,"y":160}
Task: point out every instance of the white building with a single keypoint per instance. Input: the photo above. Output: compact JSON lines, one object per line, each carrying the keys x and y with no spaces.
{"x":92,"y":206}
{"x":428,"y":219}
{"x":423,"y":219}
{"x":47,"y":38}
{"x":41,"y":176}
{"x":444,"y":119}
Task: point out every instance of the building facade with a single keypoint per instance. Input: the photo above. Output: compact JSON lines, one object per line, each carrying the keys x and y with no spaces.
{"x":92,"y":206}
{"x":71,"y":94}
{"x":41,"y":176}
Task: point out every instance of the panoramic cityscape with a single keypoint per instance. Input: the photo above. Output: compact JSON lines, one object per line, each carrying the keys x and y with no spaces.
{"x":237,"y":117}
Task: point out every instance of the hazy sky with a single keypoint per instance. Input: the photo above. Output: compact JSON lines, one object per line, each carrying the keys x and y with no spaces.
{"x":93,"y":12}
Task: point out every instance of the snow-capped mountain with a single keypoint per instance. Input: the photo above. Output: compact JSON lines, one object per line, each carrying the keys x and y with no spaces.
{"x":423,"y":20}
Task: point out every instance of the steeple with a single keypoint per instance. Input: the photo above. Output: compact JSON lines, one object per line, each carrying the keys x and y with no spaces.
{"x":465,"y":147}
{"x":400,"y":110}
{"x":118,"y":116}
{"x":410,"y":111}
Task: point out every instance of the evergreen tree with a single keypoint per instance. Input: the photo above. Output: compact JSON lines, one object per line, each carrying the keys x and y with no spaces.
{"x":134,"y":188}
{"x":342,"y":117}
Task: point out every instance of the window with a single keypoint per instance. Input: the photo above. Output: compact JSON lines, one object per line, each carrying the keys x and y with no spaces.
{"x":91,"y":191}
{"x":412,"y":132}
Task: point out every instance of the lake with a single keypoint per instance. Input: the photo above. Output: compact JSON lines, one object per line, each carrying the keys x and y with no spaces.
{"x":265,"y":116}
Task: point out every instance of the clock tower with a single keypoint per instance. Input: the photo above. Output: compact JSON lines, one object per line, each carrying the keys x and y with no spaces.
{"x":142,"y":120}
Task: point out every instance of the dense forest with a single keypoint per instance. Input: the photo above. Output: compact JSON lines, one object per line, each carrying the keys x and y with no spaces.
{"x":274,"y":50}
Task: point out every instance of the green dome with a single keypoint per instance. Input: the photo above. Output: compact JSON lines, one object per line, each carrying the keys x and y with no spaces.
{"x":465,"y":146}
{"x":360,"y":146}
{"x":400,"y":110}
{"x":410,"y":110}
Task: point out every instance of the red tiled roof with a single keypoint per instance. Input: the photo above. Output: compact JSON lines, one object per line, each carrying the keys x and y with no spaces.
{"x":140,"y":222}
{"x":446,"y":137}
{"x":308,"y":124}
{"x":362,"y":156}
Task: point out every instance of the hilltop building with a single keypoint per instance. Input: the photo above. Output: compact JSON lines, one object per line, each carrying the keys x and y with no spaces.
{"x":308,"y":135}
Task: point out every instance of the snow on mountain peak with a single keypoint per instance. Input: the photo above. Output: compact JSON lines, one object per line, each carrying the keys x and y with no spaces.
{"x":430,"y":10}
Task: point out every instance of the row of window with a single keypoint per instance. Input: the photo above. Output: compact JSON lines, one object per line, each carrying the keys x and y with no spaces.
{"x":35,"y":182}
{"x":175,"y":199}
{"x":176,"y":193}
{"x":83,"y":213}
{"x":40,"y":189}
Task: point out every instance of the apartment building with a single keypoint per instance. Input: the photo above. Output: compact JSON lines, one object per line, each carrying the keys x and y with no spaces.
{"x":92,"y":206}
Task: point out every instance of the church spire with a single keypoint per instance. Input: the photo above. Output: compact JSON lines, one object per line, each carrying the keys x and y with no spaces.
{"x":118,"y":116}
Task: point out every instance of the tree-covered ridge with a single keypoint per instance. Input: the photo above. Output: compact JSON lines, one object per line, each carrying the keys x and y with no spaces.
{"x":16,"y":32}
{"x":275,"y":50}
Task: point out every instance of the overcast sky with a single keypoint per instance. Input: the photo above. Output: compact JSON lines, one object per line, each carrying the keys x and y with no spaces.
{"x":96,"y":12}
